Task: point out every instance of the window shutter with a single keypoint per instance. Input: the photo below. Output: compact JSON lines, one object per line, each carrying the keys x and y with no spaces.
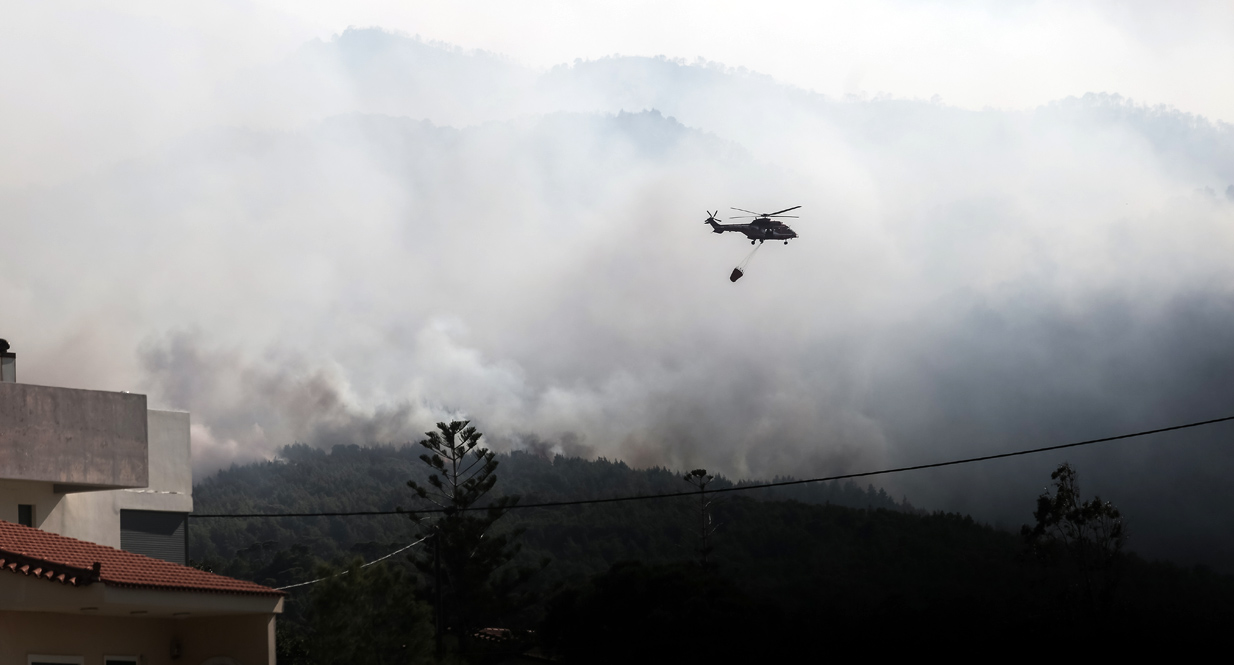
{"x":156,"y":534}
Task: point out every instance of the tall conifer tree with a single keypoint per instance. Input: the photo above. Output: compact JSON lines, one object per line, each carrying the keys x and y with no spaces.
{"x":472,"y":586}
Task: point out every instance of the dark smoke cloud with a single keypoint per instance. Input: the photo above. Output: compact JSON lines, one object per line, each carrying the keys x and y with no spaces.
{"x":252,"y":408}
{"x":402,"y":248}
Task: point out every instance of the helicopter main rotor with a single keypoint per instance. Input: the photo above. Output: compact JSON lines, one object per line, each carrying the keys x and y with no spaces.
{"x":778,"y":213}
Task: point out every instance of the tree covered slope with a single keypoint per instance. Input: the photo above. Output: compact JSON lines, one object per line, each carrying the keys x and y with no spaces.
{"x":831,"y":555}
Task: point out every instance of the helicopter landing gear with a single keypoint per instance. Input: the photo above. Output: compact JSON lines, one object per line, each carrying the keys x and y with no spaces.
{"x":751,"y":242}
{"x":785,"y":242}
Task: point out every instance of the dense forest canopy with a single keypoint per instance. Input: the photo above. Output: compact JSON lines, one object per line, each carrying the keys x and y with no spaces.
{"x":354,"y":478}
{"x":792,"y":559}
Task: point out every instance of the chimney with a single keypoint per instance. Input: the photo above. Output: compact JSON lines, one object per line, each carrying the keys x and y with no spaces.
{"x":8,"y":364}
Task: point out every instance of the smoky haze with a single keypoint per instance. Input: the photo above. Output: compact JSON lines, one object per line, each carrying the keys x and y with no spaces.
{"x":377,"y":232}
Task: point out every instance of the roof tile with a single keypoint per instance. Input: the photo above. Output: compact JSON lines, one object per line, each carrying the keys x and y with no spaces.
{"x":45,"y":552}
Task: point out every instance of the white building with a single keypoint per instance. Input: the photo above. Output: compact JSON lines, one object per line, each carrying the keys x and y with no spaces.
{"x":94,"y":465}
{"x":95,"y":492}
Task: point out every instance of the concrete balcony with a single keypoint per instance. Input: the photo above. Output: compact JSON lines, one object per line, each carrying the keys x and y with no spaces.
{"x":77,"y":439}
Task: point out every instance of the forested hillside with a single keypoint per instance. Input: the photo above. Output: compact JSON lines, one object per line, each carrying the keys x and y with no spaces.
{"x":354,"y":478}
{"x":625,"y":578}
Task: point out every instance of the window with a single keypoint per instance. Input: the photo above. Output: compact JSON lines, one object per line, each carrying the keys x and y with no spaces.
{"x":156,"y":534}
{"x":33,"y":659}
{"x":25,"y":514}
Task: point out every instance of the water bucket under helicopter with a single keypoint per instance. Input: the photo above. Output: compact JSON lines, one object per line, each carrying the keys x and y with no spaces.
{"x":740,"y":270}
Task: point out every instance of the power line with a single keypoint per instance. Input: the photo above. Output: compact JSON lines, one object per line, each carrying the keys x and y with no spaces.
{"x":741,"y":488}
{"x":403,"y":549}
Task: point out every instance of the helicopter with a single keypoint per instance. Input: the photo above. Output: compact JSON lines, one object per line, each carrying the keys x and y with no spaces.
{"x":764,"y":227}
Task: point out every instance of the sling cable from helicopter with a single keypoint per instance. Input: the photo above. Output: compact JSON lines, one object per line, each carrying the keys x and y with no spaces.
{"x":766,"y":226}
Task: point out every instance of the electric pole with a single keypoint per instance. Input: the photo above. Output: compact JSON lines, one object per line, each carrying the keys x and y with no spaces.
{"x":700,"y":479}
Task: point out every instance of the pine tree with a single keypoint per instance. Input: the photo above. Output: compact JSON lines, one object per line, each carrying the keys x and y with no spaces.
{"x":465,"y":560}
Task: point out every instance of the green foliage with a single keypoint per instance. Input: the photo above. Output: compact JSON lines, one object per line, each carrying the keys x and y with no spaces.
{"x":466,"y":559}
{"x":367,"y":615}
{"x":352,"y":478}
{"x":1083,"y":540}
{"x":1090,"y":532}
{"x":462,"y":472}
{"x":839,"y":563}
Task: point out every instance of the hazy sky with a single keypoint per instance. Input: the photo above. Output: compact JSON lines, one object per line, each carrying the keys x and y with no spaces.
{"x":1016,"y":230}
{"x":92,"y":82}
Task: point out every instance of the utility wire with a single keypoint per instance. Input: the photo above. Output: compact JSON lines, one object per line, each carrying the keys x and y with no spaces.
{"x":404,"y":549}
{"x":741,"y":488}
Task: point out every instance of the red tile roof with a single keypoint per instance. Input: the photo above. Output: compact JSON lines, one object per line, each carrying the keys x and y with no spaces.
{"x":70,"y":561}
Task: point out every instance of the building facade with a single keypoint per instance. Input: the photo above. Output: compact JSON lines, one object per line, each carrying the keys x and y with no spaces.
{"x":95,"y":493}
{"x":97,"y":466}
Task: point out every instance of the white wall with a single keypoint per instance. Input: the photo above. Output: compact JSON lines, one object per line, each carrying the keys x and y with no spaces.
{"x":171,"y":460}
{"x":95,"y":516}
{"x":40,"y":495}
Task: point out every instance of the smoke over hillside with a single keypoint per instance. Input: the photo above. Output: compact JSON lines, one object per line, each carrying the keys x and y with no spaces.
{"x":379,"y":233}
